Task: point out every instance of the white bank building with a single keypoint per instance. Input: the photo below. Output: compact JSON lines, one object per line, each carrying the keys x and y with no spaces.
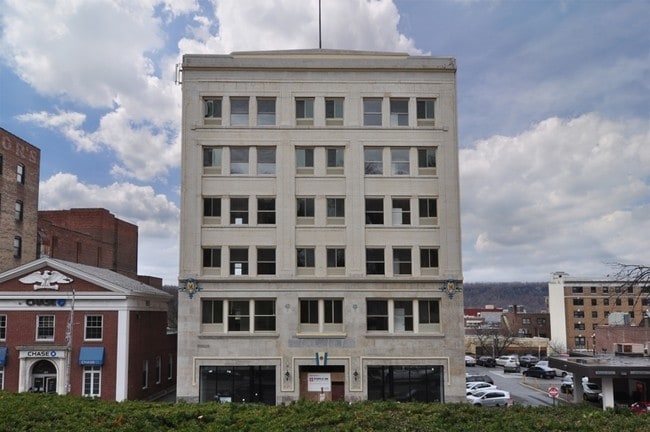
{"x":320,"y":253}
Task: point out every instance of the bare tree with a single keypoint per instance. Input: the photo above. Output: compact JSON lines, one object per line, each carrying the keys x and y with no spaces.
{"x":633,"y":282}
{"x":494,"y":340}
{"x":556,"y":347}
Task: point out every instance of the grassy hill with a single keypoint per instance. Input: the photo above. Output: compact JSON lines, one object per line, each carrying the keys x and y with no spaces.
{"x":531,"y":295}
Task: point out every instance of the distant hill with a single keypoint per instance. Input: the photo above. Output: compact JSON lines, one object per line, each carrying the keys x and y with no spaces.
{"x":531,"y":295}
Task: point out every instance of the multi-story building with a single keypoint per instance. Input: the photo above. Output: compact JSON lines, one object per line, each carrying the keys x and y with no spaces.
{"x":19,"y":178}
{"x":578,"y":305}
{"x":320,"y":228}
{"x":524,"y":324}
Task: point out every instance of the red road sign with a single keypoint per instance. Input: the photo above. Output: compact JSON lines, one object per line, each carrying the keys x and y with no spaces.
{"x":553,"y":392}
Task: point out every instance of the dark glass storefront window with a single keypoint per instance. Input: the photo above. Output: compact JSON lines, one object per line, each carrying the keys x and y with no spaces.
{"x":406,"y":383}
{"x":238,"y":384}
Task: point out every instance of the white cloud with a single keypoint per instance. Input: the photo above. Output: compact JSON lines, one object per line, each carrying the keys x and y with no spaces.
{"x":564,"y":195}
{"x":68,"y":123}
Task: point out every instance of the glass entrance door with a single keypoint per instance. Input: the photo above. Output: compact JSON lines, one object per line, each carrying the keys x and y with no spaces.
{"x":43,"y":377}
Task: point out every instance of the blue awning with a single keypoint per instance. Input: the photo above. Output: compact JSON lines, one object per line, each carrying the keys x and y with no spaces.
{"x":3,"y":356}
{"x":91,"y":356}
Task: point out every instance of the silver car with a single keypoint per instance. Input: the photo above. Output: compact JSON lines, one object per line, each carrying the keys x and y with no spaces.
{"x":490,"y":398}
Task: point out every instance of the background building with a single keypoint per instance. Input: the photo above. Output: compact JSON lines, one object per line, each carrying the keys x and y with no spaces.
{"x":320,"y":228}
{"x":20,"y":164}
{"x":68,"y":328}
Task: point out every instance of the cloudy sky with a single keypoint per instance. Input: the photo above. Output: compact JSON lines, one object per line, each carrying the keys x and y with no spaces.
{"x":554,"y":111}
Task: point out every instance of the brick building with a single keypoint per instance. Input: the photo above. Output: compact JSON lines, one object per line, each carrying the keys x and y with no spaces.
{"x":19,"y":178}
{"x":69,"y":328}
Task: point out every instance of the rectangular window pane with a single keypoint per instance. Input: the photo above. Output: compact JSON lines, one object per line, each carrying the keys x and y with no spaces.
{"x":266,"y":210}
{"x":212,"y":157}
{"x":305,"y":157}
{"x":304,"y":108}
{"x":212,"y":107}
{"x":308,"y":311}
{"x":399,"y":161}
{"x":238,"y":261}
{"x":425,"y":109}
{"x":305,"y":257}
{"x":372,"y":112}
{"x":212,"y":257}
{"x":266,"y":261}
{"x":399,"y":112}
{"x":428,"y":207}
{"x":305,"y":207}
{"x":401,"y":211}
{"x":335,"y":157}
{"x":373,"y":161}
{"x":94,"y":327}
{"x":239,"y":111}
{"x":239,"y":160}
{"x":333,"y":311}
{"x":334,"y":108}
{"x":335,"y":207}
{"x":335,"y":257}
{"x":403,"y":315}
{"x":265,"y":111}
{"x":212,"y":312}
{"x":377,"y":315}
{"x":429,"y":258}
{"x":427,"y":158}
{"x":212,"y":207}
{"x":266,"y":160}
{"x":402,"y":261}
{"x":429,"y":311}
{"x":45,"y":327}
{"x":239,"y":211}
{"x":3,"y":327}
{"x":238,"y":315}
{"x":374,"y":211}
{"x":374,"y":261}
{"x":264,"y":315}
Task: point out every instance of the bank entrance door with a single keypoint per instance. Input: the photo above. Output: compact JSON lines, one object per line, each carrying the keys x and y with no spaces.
{"x":43,"y":377}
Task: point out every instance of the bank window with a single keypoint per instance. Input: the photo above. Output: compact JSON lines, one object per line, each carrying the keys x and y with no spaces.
{"x":20,"y":173}
{"x":239,"y":160}
{"x":266,"y":111}
{"x":374,"y":211}
{"x":94,"y":327}
{"x":402,"y":264}
{"x":321,"y":316}
{"x":305,"y":258}
{"x":3,"y":327}
{"x":305,"y":111}
{"x":375,"y":261}
{"x":211,"y":259}
{"x":334,"y":111}
{"x":18,"y":215}
{"x":401,"y":211}
{"x":45,"y":327}
{"x":92,"y":379}
{"x":372,"y":111}
{"x":239,"y":111}
{"x":335,"y":210}
{"x":399,"y":112}
{"x":335,"y":160}
{"x":399,"y":161}
{"x":264,"y":315}
{"x":212,"y":110}
{"x":266,"y":160}
{"x":238,"y":261}
{"x":428,"y":260}
{"x":18,"y":247}
{"x":425,"y":111}
{"x":305,"y":211}
{"x":427,"y":161}
{"x":266,"y":261}
{"x":304,"y":160}
{"x":373,"y":161}
{"x":212,"y":160}
{"x":266,"y":211}
{"x":211,"y":210}
{"x":239,"y":211}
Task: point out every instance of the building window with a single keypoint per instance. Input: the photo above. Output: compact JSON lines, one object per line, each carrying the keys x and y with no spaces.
{"x":428,"y":211}
{"x":335,"y":159}
{"x":304,"y":160}
{"x":335,"y":210}
{"x":92,"y":377}
{"x":375,"y":261}
{"x":305,"y":211}
{"x":402,"y":261}
{"x":429,"y":315}
{"x":423,"y":383}
{"x":525,"y":321}
{"x":266,"y":211}
{"x":334,"y":111}
{"x":145,"y":374}
{"x":399,"y":161}
{"x":305,"y":258}
{"x":373,"y":161}
{"x":266,"y":161}
{"x":238,"y":261}
{"x":239,"y":160}
{"x":594,"y":302}
{"x":212,"y":316}
{"x":618,"y":301}
{"x":425,"y":111}
{"x":397,"y":316}
{"x":594,"y":314}
{"x":592,"y":290}
{"x":630,"y":301}
{"x":19,"y":211}
{"x":265,"y":261}
{"x":239,"y":111}
{"x":158,"y":369}
{"x":304,"y":111}
{"x":335,"y":260}
{"x":401,"y":211}
{"x":377,"y":315}
{"x":266,"y":111}
{"x":605,"y":290}
{"x":321,"y":316}
{"x":212,"y":210}
{"x":94,"y":326}
{"x":399,"y":112}
{"x":374,"y":211}
{"x":579,"y":301}
{"x":212,"y":258}
{"x":580,"y":342}
{"x":578,"y":314}
{"x":402,"y":316}
{"x":3,"y":327}
{"x":541,"y":321}
{"x":239,"y":211}
{"x":212,"y":160}
{"x":427,"y":161}
{"x":428,"y":260}
{"x":170,"y":367}
{"x":372,"y":111}
{"x":238,"y":315}
{"x":18,"y":247}
{"x":576,"y":290}
{"x":45,"y":327}
{"x":264,"y":315}
{"x":605,"y":302}
{"x":212,"y":110}
{"x":20,"y":173}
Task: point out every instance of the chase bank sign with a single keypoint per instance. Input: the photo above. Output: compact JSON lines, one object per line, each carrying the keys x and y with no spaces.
{"x":42,"y":354}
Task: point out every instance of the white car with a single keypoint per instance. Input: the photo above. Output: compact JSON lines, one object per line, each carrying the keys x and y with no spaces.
{"x":502,"y":360}
{"x":476,"y":386}
{"x":490,"y":398}
{"x":470,"y":361}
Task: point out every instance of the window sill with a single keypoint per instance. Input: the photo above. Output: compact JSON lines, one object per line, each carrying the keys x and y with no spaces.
{"x":404,"y":335}
{"x":269,"y":335}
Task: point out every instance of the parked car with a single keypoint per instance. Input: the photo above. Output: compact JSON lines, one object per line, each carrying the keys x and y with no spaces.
{"x":528,"y":360}
{"x":474,"y":378}
{"x":501,"y":360}
{"x":640,"y":407}
{"x":470,"y":361}
{"x":558,"y":372}
{"x":511,"y":366}
{"x":487,"y":361}
{"x":476,"y":386}
{"x":591,"y":392}
{"x":490,"y":398}
{"x":539,"y":372}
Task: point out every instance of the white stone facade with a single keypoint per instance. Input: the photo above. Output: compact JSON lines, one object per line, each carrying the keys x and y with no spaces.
{"x":320,"y":220}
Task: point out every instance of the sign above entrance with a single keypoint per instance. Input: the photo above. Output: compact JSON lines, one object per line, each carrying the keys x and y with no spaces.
{"x":42,"y":354}
{"x":47,"y":279}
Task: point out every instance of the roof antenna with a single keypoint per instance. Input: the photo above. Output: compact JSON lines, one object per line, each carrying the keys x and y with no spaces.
{"x":320,"y":42}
